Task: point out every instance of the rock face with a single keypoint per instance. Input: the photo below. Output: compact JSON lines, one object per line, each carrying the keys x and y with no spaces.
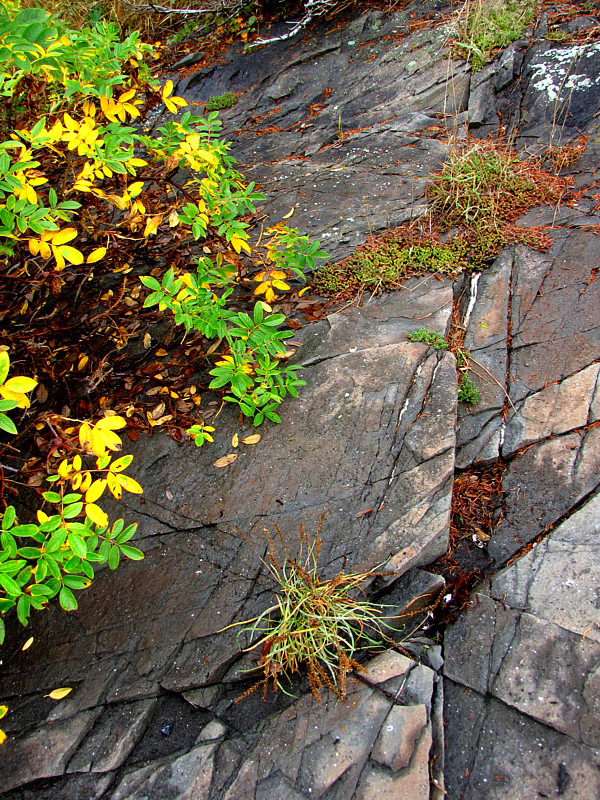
{"x":531,"y":644}
{"x":345,"y":126}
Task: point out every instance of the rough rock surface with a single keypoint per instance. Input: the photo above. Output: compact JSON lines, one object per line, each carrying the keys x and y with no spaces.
{"x":345,"y":125}
{"x":531,"y":644}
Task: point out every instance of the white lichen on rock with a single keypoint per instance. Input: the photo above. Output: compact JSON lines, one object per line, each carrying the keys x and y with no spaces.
{"x":555,"y":74}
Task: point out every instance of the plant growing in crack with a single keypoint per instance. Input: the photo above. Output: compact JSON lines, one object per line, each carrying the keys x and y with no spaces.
{"x":316,"y":626}
{"x":467,"y":391}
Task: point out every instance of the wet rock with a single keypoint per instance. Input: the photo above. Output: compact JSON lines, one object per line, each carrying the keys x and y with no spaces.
{"x":498,"y":753}
{"x":45,"y":752}
{"x":558,"y":408}
{"x":542,"y":485}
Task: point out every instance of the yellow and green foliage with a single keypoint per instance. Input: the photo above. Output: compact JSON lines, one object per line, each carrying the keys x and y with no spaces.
{"x":55,"y":555}
{"x":81,"y":183}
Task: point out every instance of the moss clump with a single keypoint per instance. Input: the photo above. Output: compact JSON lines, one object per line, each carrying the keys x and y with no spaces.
{"x":382,"y":263}
{"x":219,"y":101}
{"x":428,"y":337}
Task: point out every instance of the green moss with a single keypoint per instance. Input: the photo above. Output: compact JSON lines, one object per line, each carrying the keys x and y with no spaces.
{"x":428,"y":337}
{"x":220,"y":101}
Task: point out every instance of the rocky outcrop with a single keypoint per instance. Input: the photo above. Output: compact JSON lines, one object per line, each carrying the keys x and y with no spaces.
{"x":345,"y":126}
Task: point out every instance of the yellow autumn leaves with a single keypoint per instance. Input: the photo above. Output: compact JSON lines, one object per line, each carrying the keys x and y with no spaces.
{"x":99,"y":439}
{"x":14,"y":389}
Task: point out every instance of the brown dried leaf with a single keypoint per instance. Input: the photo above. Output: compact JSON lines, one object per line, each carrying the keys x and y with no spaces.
{"x":225,"y":461}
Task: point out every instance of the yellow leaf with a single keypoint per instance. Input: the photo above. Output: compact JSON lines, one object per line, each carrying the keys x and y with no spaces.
{"x":147,"y":341}
{"x":3,"y":711}
{"x":27,"y":644}
{"x":238,"y":243}
{"x":96,"y":514}
{"x":289,"y":214}
{"x":64,"y":236}
{"x":20,"y":384}
{"x":82,"y":362}
{"x":111,"y":423}
{"x":173,"y":221}
{"x":121,"y":463}
{"x":77,"y":462}
{"x":71,"y":254}
{"x":161,"y":352}
{"x":95,"y":491}
{"x":114,"y":485}
{"x":129,"y":484}
{"x":225,"y":461}
{"x":167,"y":89}
{"x":42,"y":516}
{"x":254,"y":439}
{"x":2,"y":737}
{"x":96,"y":255}
{"x":235,"y":441}
{"x":58,"y":694}
{"x":152,"y":225}
{"x":85,"y":482}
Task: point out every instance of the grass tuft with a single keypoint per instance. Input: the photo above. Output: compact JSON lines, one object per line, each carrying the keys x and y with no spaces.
{"x":316,"y":627}
{"x":483,"y":27}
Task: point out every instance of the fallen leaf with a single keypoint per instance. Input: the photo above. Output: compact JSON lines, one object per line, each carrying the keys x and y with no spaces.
{"x":235,"y":441}
{"x":289,"y":214}
{"x":254,"y":439}
{"x":169,"y":494}
{"x":58,"y":694}
{"x":225,"y":461}
{"x":27,"y":644}
{"x":160,"y":352}
{"x":158,"y":411}
{"x":41,"y":393}
{"x":82,"y":362}
{"x":147,"y":341}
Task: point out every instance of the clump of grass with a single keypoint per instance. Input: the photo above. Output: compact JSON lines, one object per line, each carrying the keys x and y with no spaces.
{"x":483,"y":27}
{"x":220,"y":101}
{"x":482,"y":190}
{"x":428,"y":336}
{"x":486,"y":184}
{"x":316,"y":626}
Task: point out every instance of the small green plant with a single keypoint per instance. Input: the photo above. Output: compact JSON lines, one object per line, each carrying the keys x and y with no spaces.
{"x":428,"y":337}
{"x":221,"y":101}
{"x":316,"y":626}
{"x":486,"y":26}
{"x":467,"y":391}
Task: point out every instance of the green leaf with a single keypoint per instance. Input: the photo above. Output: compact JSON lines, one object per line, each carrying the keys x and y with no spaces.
{"x":8,"y":518}
{"x":2,"y":631}
{"x":72,"y":510}
{"x":57,"y":541}
{"x":25,"y":530}
{"x":23,"y":610}
{"x":150,"y":282}
{"x":51,"y":497}
{"x":132,"y":552}
{"x":29,"y":552}
{"x":6,"y":424}
{"x":67,"y":599}
{"x":77,"y":545}
{"x":114,"y":557}
{"x":9,"y":585}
